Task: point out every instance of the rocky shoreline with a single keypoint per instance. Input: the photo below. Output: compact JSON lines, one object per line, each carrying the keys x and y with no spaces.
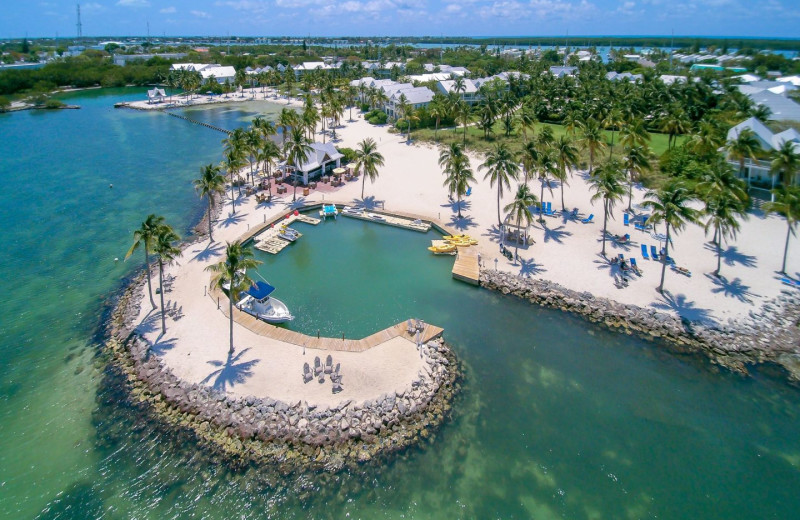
{"x":769,"y":337}
{"x":294,"y":435}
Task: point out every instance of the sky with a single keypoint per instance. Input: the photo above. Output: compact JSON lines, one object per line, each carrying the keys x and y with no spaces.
{"x":48,"y":18}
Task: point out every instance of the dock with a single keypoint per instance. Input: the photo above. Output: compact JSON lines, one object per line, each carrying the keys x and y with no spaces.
{"x":466,"y":268}
{"x":265,"y":236}
{"x":268,"y":330}
{"x":386,"y":218}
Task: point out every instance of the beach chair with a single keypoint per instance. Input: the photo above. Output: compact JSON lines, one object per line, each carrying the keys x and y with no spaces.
{"x":317,"y":367}
{"x":644,"y":252}
{"x":626,"y":219}
{"x":588,"y":219}
{"x":337,"y":387}
{"x":548,"y":209}
{"x":621,"y":257}
{"x":790,"y":282}
{"x":667,"y":259}
{"x":307,"y":375}
{"x":653,"y":252}
{"x":635,"y":266}
{"x":574,"y":213}
{"x":328,"y":364}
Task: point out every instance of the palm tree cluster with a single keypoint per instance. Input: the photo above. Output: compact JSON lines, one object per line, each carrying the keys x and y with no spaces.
{"x":156,"y":236}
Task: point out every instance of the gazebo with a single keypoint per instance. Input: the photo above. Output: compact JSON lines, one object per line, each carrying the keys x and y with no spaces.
{"x":510,"y":230}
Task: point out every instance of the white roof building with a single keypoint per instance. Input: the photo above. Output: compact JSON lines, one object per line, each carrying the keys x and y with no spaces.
{"x":668,"y":79}
{"x":794,"y":80}
{"x":559,"y":71}
{"x":433,"y":76}
{"x":758,"y":172}
{"x":322,"y":158}
{"x":622,"y":76}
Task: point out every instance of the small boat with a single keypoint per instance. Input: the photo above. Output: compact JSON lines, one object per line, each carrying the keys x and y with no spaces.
{"x":376,"y":216}
{"x":447,"y":249}
{"x":461,"y":240}
{"x":257,"y":302}
{"x":289,"y":234}
{"x":328,"y":210}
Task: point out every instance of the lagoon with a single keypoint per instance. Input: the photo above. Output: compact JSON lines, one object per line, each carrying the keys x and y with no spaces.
{"x":558,"y":418}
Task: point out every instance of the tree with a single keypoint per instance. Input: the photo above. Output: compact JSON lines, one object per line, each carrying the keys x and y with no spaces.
{"x":607,"y":185}
{"x":723,"y":210}
{"x":464,"y":116}
{"x":566,"y":156}
{"x":786,"y":161}
{"x":297,"y":150}
{"x":165,"y":251}
{"x":592,"y":140}
{"x":437,"y":109}
{"x":458,"y":172}
{"x":744,"y":146}
{"x":269,"y":155}
{"x":519,"y":208}
{"x":613,"y":121}
{"x":232,"y":162}
{"x":670,"y":204}
{"x":233,"y":272}
{"x":501,"y":167}
{"x":786,"y":203}
{"x":146,"y":236}
{"x":207,"y":185}
{"x":637,"y":161}
{"x":368,"y":158}
{"x":673,"y":123}
{"x":287,"y":119}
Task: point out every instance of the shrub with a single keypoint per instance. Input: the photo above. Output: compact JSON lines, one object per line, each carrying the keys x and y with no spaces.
{"x":53,"y":103}
{"x":376,"y":117}
{"x":349,"y":154}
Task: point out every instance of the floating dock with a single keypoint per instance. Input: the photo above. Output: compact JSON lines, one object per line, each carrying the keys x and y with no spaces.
{"x":390,"y":220}
{"x":266,"y":237}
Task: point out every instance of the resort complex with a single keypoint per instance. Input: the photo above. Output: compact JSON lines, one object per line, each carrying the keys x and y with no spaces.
{"x":404,"y":279}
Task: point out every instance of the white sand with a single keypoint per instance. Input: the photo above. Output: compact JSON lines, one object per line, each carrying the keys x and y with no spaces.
{"x":196,"y":345}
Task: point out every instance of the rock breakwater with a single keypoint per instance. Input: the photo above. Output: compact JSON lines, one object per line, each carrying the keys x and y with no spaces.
{"x":292,"y":435}
{"x":768,"y":336}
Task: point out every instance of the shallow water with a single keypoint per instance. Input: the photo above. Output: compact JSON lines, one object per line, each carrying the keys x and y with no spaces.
{"x":558,"y":418}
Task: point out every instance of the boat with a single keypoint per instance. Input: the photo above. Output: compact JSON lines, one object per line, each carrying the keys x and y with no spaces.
{"x":328,"y":210}
{"x":257,"y":302}
{"x":288,"y":233}
{"x":447,"y":249}
{"x":461,"y":240}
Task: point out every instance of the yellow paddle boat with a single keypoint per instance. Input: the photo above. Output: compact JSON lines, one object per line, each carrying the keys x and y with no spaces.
{"x":442,"y":250}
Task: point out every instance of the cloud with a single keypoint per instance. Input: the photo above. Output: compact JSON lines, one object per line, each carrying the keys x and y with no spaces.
{"x":201,"y":14}
{"x":92,"y":7}
{"x":168,"y":10}
{"x":133,"y":3}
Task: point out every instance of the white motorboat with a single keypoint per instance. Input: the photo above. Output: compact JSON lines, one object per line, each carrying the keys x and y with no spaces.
{"x":289,"y":234}
{"x":258,"y":302}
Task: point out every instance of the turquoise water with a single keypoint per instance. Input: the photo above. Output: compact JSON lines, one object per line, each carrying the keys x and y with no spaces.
{"x":557,"y":420}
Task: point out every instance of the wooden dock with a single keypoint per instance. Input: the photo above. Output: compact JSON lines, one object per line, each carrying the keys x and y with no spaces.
{"x":387,"y":218}
{"x":263,"y":328}
{"x":466,"y":267}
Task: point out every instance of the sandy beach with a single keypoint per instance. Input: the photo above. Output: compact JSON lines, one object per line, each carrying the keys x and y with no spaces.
{"x":565,"y":251}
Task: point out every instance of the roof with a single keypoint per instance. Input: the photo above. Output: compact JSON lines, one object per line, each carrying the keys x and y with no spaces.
{"x":620,"y":76}
{"x":782,"y":107}
{"x":766,"y":138}
{"x":260,"y":290}
{"x":668,"y":79}
{"x":414,"y":95}
{"x":434,"y":76}
{"x":156,"y":92}
{"x":560,"y":71}
{"x":320,"y":153}
{"x":218,"y":72}
{"x":448,"y":86}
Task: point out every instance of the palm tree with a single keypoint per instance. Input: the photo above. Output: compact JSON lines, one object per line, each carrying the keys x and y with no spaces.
{"x":566,"y":158}
{"x":501,"y":166}
{"x":527,"y":120}
{"x":670,"y":204}
{"x":607,"y":185}
{"x":786,"y":203}
{"x":592,"y":140}
{"x":547,"y":167}
{"x":530,"y":158}
{"x":233,"y":272}
{"x":637,"y":161}
{"x":724,"y":210}
{"x":210,"y":182}
{"x":368,"y":158}
{"x":457,"y":170}
{"x":232,"y":162}
{"x":634,"y":133}
{"x":519,"y":208}
{"x":269,"y":155}
{"x":437,"y":109}
{"x":786,"y":161}
{"x":165,"y":251}
{"x":297,"y":150}
{"x":744,"y":146}
{"x":464,"y":116}
{"x":673,"y":123}
{"x":287,"y":119}
{"x":613,"y":120}
{"x":146,"y":236}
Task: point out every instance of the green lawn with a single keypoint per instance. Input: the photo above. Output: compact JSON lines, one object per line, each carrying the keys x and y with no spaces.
{"x":476,"y":141}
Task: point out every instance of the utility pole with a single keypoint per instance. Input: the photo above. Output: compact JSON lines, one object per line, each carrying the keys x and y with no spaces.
{"x":79,"y":25}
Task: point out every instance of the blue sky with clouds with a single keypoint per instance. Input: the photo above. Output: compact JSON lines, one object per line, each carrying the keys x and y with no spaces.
{"x":779,"y":18}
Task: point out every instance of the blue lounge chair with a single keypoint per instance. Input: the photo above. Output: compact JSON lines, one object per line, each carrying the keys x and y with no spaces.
{"x":633,"y":264}
{"x":790,"y":282}
{"x":626,"y":219}
{"x":667,"y":259}
{"x":644,"y":252}
{"x":621,"y":257}
{"x":642,"y":226}
{"x":469,"y":191}
{"x":653,"y":252}
{"x":588,"y":219}
{"x":549,"y":210}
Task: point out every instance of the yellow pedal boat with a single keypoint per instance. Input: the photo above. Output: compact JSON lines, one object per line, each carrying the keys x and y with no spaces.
{"x":442,"y":250}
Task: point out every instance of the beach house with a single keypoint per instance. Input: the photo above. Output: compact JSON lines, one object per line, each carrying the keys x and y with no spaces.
{"x":321,"y":160}
{"x":757,"y":172}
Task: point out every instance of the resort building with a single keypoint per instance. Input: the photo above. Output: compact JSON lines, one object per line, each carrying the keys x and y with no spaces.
{"x":781,"y":107}
{"x":757,"y":172}
{"x":469,"y":94}
{"x":446,"y":69}
{"x":220,"y":73}
{"x":416,"y":97}
{"x":321,"y":160}
{"x":668,"y":79}
{"x":123,"y":59}
{"x":623,"y":76}
{"x":756,"y":87}
{"x":561,"y":71}
{"x":309,"y":66}
{"x":156,"y":95}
